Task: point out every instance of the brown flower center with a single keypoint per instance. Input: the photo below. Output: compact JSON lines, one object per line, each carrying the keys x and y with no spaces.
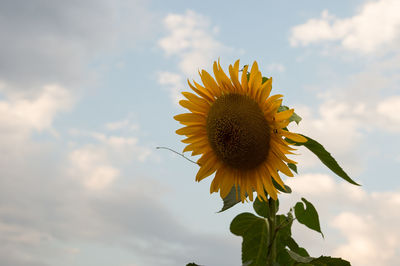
{"x":238,"y":132}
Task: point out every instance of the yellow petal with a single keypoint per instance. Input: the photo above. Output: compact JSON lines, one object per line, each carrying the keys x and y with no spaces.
{"x":255,"y":80}
{"x":277,"y":163}
{"x":196,"y":145}
{"x":245,"y":85}
{"x":193,"y":107}
{"x":201,"y":150}
{"x":272,"y":108}
{"x":253,"y":72}
{"x":233,"y":72}
{"x":275,"y":175}
{"x":275,"y":149}
{"x":204,"y":90}
{"x":194,"y":138}
{"x":272,"y":99}
{"x":204,"y":95}
{"x":265,"y":90}
{"x":293,"y":136}
{"x":210,"y":83}
{"x":260,"y":190}
{"x":226,"y":184}
{"x":207,"y":168}
{"x":223,"y":77}
{"x":190,"y":117}
{"x":269,"y":187}
{"x":191,"y":130}
{"x":215,"y":184}
{"x":284,"y":115}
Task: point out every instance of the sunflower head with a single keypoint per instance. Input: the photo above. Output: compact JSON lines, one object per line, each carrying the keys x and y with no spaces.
{"x":235,"y":126}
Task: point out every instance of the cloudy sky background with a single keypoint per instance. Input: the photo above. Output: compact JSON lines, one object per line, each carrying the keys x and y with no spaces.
{"x":88,"y":89}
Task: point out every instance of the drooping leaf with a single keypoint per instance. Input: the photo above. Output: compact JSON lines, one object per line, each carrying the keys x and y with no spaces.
{"x":296,"y":118}
{"x":261,"y":207}
{"x":299,"y":258}
{"x":284,"y":240}
{"x":231,"y":200}
{"x":283,"y":234}
{"x":307,"y":216}
{"x":255,"y":233}
{"x":321,"y":261}
{"x":293,"y":246}
{"x":293,"y":167}
{"x":325,"y":157}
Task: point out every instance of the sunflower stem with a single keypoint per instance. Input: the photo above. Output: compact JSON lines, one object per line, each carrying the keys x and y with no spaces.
{"x":272,"y":229}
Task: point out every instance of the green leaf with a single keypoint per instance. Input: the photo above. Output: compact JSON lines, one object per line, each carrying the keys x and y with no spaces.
{"x":321,"y":261}
{"x":307,"y":216}
{"x":261,"y":207}
{"x":283,"y":258}
{"x":329,"y":261}
{"x":293,"y":246}
{"x":230,"y":200}
{"x":192,"y":264}
{"x":254,"y":231}
{"x":296,"y":118}
{"x":293,"y":167}
{"x":284,"y":239}
{"x":299,"y":258}
{"x":325,"y":157}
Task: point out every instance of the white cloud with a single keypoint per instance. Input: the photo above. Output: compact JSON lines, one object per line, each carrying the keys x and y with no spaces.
{"x":124,"y":124}
{"x":91,"y":167}
{"x":275,"y":67}
{"x":119,"y":147}
{"x":34,"y":112}
{"x":336,"y":125}
{"x":23,"y":113}
{"x":366,"y":221}
{"x":367,"y":243}
{"x":48,"y":41}
{"x":192,"y":39}
{"x":389,"y":110}
{"x":96,"y":165}
{"x":173,"y":82}
{"x":375,"y":26}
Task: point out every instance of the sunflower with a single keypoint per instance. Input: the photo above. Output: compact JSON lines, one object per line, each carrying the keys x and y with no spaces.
{"x":236,"y":128}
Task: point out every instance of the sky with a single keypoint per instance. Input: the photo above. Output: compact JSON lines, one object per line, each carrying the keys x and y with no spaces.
{"x":88,"y":90}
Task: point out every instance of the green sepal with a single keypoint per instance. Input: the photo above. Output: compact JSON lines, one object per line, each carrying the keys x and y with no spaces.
{"x":287,"y":189}
{"x":307,"y":216}
{"x":325,"y":157}
{"x":231,"y":200}
{"x":255,"y":233}
{"x":264,"y":79}
{"x":293,"y":167}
